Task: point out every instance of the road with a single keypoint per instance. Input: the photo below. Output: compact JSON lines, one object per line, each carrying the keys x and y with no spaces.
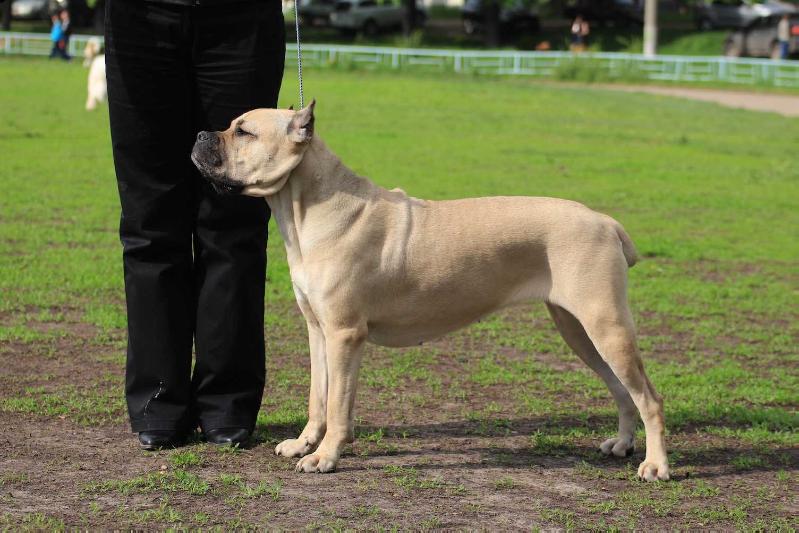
{"x":783,"y":104}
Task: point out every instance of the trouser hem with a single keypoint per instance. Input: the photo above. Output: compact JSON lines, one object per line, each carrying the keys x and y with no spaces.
{"x":208,"y":424}
{"x":157,"y":424}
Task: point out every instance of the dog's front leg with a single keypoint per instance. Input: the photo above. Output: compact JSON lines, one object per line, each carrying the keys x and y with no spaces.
{"x":317,"y":400}
{"x":344,"y":348}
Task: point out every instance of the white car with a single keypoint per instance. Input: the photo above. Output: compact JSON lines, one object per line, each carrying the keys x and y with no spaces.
{"x":368,"y":16}
{"x":30,"y":9}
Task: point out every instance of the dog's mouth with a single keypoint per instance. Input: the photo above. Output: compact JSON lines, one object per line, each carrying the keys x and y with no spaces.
{"x":226,"y":188}
{"x":209,"y":171}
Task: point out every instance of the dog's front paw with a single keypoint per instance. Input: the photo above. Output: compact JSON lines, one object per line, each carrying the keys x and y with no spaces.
{"x":294,"y":447}
{"x":618,"y":446}
{"x":317,"y":462}
{"x":653,"y":471}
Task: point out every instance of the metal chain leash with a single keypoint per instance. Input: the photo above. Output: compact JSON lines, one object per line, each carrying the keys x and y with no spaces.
{"x":299,"y":51}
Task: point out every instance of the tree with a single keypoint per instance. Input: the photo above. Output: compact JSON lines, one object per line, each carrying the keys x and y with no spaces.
{"x":650,"y":28}
{"x":6,"y":14}
{"x":409,"y":20}
{"x":491,"y":9}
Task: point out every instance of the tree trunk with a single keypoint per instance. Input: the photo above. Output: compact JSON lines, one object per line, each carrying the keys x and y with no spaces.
{"x":554,"y":8}
{"x":409,"y":20}
{"x":651,"y":28}
{"x":7,"y":15}
{"x":492,"y":23}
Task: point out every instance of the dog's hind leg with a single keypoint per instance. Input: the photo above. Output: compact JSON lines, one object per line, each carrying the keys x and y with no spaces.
{"x":608,"y":323}
{"x":317,"y":400}
{"x":344,"y":349}
{"x":574,"y":335}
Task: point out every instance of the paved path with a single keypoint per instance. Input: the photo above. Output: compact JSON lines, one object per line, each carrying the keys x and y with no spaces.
{"x":786,"y":105}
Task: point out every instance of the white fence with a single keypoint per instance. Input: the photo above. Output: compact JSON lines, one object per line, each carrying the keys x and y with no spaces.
{"x":542,"y":64}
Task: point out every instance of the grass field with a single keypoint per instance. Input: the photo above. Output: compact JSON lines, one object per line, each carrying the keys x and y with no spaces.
{"x":494,"y":427}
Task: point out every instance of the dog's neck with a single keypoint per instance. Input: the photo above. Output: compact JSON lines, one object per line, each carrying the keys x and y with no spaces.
{"x":319,"y":179}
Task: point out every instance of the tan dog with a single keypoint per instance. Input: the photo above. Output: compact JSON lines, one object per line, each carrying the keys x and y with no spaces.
{"x":371,"y":264}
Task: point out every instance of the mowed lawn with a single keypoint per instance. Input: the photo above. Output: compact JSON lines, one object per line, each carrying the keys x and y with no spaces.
{"x":494,"y":427}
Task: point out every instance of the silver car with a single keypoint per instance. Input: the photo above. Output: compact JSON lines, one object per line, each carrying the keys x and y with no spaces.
{"x":316,"y":12}
{"x":30,"y":9}
{"x":714,"y":14}
{"x":369,"y":17}
{"x":759,"y":39}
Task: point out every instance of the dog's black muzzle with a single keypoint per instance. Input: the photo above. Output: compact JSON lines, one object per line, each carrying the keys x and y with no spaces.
{"x":208,"y":160}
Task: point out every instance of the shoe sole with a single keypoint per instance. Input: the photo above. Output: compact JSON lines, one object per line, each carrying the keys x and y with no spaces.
{"x":230,"y":444}
{"x":157,"y":447}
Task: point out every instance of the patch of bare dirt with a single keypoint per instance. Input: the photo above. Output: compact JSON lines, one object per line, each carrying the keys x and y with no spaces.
{"x":423,"y":459}
{"x":444,"y":477}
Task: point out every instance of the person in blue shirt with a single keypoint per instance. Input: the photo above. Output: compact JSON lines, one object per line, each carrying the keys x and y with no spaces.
{"x":57,"y":37}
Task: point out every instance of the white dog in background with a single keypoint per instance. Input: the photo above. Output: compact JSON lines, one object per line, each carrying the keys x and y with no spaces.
{"x":93,"y":59}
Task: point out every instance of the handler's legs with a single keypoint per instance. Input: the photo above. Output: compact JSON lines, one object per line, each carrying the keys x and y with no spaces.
{"x":238,"y":56}
{"x":148,"y":84}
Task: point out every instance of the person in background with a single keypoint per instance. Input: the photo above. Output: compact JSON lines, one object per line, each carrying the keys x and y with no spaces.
{"x":56,"y":36}
{"x":66,"y":33}
{"x":784,"y":36}
{"x":579,"y":34}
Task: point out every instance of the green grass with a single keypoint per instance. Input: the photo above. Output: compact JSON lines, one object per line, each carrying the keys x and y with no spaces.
{"x":670,"y":41}
{"x":409,"y":478}
{"x":178,"y":480}
{"x":31,"y":522}
{"x":709,"y":194}
{"x":85,"y":405}
{"x":184,"y":459}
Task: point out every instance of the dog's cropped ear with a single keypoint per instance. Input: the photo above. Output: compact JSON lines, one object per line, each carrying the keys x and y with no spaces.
{"x":301,"y":126}
{"x":291,"y":107}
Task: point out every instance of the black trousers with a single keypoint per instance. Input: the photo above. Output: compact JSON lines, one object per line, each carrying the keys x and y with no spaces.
{"x":194,"y":262}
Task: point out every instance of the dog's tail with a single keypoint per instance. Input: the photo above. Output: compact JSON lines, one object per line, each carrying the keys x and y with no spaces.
{"x":627,"y":246}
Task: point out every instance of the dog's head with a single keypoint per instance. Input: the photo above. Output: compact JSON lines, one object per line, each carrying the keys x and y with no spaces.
{"x":92,"y":50}
{"x":256,"y":154}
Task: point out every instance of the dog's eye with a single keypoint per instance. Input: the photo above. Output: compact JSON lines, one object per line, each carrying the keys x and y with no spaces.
{"x":240,"y":132}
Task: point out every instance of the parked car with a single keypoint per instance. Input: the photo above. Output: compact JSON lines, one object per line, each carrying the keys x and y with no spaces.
{"x":759,"y":39}
{"x":316,"y":12}
{"x":604,"y":11}
{"x":79,"y":12}
{"x":514,"y":17}
{"x":716,"y":14}
{"x":369,"y":17}
{"x":30,"y":9}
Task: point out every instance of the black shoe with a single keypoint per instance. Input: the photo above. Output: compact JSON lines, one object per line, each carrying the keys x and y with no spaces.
{"x":161,"y":438}
{"x":227,"y":436}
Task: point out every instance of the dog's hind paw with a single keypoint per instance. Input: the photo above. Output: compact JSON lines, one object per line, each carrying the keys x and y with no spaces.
{"x":294,"y":447}
{"x":316,"y":462}
{"x":618,"y":446}
{"x":653,"y":471}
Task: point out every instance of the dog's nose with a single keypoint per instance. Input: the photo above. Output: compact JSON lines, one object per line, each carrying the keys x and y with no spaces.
{"x":203,"y":136}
